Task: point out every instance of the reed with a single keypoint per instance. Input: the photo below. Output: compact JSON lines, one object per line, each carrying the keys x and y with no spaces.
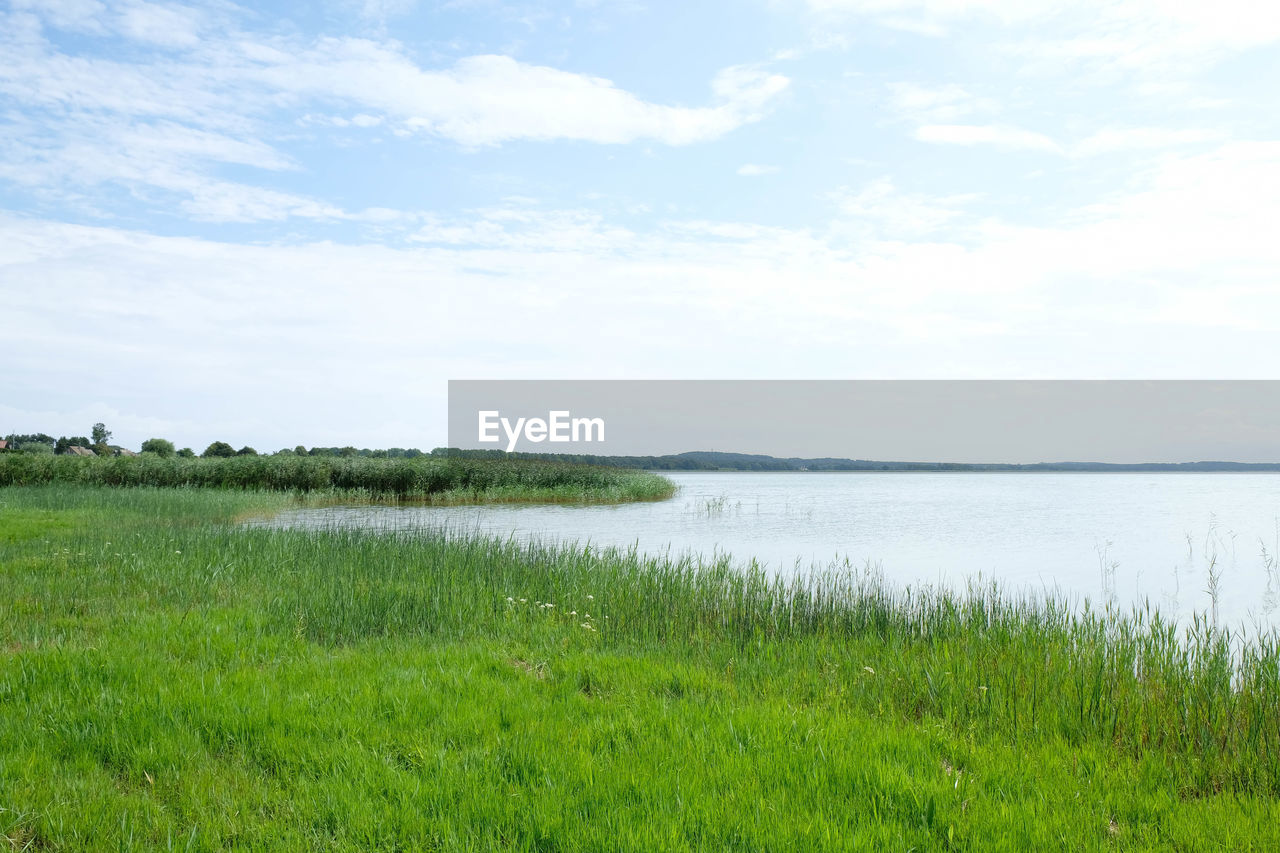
{"x":436,"y":480}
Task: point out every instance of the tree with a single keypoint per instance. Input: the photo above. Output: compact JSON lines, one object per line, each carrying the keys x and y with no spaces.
{"x":219,"y":449}
{"x":16,"y":441}
{"x":159,"y":446}
{"x":300,"y":450}
{"x":187,"y":453}
{"x":101,"y":435}
{"x":246,"y":451}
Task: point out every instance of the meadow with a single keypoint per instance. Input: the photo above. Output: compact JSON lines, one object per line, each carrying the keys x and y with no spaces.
{"x":172,"y":679}
{"x":440,"y":480}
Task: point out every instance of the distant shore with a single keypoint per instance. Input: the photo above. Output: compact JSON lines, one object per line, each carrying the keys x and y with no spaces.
{"x":719,"y":461}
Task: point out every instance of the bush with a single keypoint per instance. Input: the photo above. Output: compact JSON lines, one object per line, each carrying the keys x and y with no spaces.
{"x":219,"y":450}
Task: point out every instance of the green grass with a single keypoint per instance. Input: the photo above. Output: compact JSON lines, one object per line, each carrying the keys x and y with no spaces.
{"x":433,"y":480}
{"x":171,"y":680}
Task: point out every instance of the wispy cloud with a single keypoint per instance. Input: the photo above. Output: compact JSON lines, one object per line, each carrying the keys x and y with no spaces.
{"x":1139,"y":35}
{"x":526,"y":228}
{"x":1000,"y":136}
{"x":879,"y":210}
{"x":488,"y":100}
{"x":197,"y":93}
{"x":898,"y":284}
{"x":1112,"y":140}
{"x":1106,"y":141}
{"x":755,"y":170}
{"x":935,"y":104}
{"x":479,"y":100}
{"x":169,"y":25}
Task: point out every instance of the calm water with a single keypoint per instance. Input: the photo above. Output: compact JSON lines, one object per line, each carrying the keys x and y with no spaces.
{"x":1082,"y":535}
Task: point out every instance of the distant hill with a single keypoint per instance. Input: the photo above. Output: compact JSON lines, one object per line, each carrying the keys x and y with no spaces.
{"x":710,"y":460}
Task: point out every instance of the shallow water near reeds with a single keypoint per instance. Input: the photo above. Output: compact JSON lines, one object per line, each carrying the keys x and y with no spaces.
{"x":1184,"y":542}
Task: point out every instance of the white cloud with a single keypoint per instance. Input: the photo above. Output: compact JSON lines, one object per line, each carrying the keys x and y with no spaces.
{"x":1111,"y":140}
{"x":880,"y":209}
{"x":934,"y":104}
{"x":488,"y":100}
{"x":1006,"y":11}
{"x":163,"y":120}
{"x":1139,"y":35}
{"x":171,"y":25}
{"x":528,"y":230}
{"x":73,"y":15}
{"x":359,"y":120}
{"x":224,"y":201}
{"x":1000,"y":136}
{"x":480,"y":100}
{"x":166,"y":24}
{"x":1174,"y":278}
{"x":380,"y":11}
{"x":159,"y":158}
{"x":755,"y":170}
{"x":1106,"y":141}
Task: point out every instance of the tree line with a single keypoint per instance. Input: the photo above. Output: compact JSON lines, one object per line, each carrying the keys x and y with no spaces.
{"x":99,"y":441}
{"x":39,"y":442}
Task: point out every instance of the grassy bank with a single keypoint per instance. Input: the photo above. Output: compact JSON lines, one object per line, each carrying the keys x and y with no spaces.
{"x":434,"y":480}
{"x":170,"y":680}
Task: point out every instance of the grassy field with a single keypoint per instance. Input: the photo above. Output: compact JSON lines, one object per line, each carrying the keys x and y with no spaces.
{"x":426,"y":479}
{"x":169,"y":680}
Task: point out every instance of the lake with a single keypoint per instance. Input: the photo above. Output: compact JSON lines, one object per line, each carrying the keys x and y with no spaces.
{"x":1123,"y":537}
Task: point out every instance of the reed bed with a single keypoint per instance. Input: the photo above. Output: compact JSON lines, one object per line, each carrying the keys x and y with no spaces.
{"x":163,"y":664}
{"x":1017,"y":668}
{"x":438,"y":480}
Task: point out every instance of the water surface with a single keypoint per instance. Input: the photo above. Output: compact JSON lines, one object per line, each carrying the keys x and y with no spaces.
{"x":1102,"y":536}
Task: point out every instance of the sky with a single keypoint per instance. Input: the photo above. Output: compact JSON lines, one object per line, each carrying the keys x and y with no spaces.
{"x":293,"y":223}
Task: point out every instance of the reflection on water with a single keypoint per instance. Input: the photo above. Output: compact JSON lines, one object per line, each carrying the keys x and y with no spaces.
{"x":1183,"y":541}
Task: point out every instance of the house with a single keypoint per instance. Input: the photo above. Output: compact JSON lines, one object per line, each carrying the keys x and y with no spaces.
{"x":80,"y":451}
{"x":121,"y":451}
{"x":4,"y":445}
